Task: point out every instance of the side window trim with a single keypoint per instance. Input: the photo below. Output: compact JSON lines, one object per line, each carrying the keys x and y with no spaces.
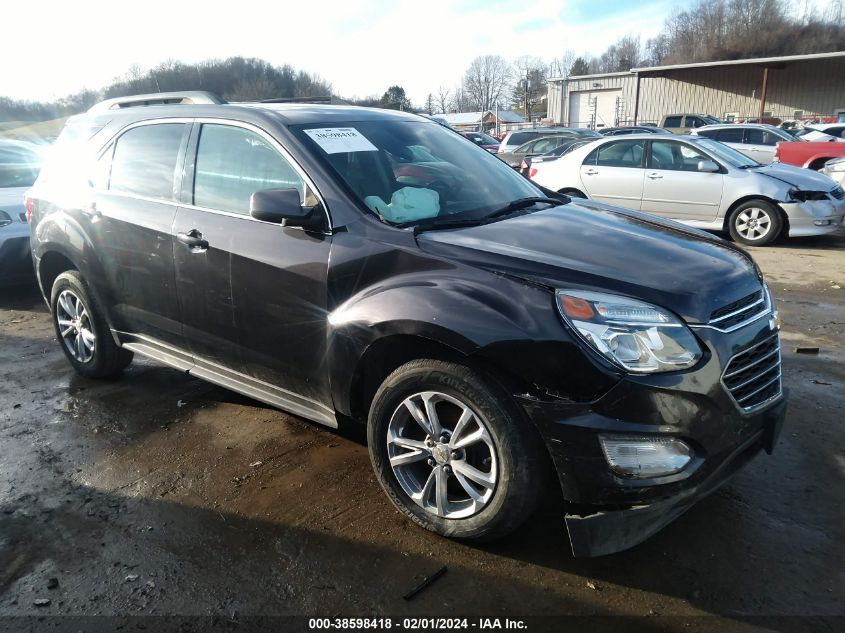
{"x":188,"y":175}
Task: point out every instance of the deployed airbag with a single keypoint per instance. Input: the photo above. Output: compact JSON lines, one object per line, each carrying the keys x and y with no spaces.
{"x":406,"y":205}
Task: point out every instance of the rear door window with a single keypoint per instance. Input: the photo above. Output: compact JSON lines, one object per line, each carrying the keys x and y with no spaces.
{"x":233,"y":163}
{"x":754,"y":136}
{"x":144,"y":161}
{"x":618,"y":154}
{"x":672,"y":121}
{"x":674,"y":156}
{"x":726,"y":135}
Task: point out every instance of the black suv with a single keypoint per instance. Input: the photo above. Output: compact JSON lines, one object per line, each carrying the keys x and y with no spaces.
{"x":368,"y":266}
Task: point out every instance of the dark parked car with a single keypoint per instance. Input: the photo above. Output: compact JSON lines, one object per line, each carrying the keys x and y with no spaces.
{"x":513,"y":139}
{"x":536,"y":147}
{"x":485,"y":141}
{"x":485,"y":331}
{"x":633,"y":129}
{"x":561,"y":150}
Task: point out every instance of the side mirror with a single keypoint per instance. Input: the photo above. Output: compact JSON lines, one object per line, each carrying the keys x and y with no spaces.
{"x":284,"y":206}
{"x":708,"y":166}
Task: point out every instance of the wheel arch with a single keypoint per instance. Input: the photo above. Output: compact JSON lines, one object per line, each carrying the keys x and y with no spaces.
{"x":386,"y":354}
{"x":756,"y":196}
{"x":51,"y":264}
{"x":568,"y":190}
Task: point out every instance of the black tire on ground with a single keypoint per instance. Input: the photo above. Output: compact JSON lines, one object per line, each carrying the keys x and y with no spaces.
{"x":755,"y":223}
{"x":106,"y":358}
{"x":519,"y":458}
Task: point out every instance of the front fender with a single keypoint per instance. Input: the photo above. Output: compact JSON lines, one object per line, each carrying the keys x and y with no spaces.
{"x":458,"y":313}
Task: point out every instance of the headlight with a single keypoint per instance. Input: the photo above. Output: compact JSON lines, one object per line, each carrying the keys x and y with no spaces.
{"x":806,"y":196}
{"x":837,"y":164}
{"x":637,"y":336}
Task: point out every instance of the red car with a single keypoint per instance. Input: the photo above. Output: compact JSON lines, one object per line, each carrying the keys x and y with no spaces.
{"x":810,"y":154}
{"x":483,"y":140}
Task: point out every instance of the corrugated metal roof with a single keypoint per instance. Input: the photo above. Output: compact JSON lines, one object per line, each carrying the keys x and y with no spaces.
{"x":469,"y":118}
{"x":734,"y":62}
{"x":726,"y":62}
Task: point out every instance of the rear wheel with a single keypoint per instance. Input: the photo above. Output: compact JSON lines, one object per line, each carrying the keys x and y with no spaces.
{"x":453,"y":452}
{"x":755,"y":223}
{"x":82,"y":330}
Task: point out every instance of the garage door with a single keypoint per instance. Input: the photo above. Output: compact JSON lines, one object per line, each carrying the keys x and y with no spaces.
{"x":581,"y":111}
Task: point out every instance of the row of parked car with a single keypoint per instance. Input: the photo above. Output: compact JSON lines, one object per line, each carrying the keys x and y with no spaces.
{"x":754,"y":181}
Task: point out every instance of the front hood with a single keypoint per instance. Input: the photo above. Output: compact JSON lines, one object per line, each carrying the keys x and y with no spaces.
{"x":594,"y":246}
{"x":798,"y":177}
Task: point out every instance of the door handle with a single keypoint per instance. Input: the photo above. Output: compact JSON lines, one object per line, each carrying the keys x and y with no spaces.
{"x":655,"y":176}
{"x":591,"y":172}
{"x":193,"y":240}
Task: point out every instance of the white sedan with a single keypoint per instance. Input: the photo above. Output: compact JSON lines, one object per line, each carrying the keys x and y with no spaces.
{"x":699,"y":182}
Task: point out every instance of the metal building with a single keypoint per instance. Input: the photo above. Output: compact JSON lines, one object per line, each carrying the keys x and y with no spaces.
{"x":791,"y":87}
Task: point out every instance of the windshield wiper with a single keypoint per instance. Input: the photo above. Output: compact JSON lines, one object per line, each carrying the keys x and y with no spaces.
{"x":521,"y":203}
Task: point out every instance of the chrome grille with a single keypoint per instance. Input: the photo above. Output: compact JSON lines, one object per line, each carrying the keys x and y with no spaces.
{"x":753,"y":377}
{"x":739,"y":311}
{"x":838,"y":193}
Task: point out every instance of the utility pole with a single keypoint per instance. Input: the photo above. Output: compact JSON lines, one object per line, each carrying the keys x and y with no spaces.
{"x":527,"y":113}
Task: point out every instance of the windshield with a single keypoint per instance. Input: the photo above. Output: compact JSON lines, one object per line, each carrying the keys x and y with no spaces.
{"x":726,"y":154}
{"x":407,"y":172}
{"x":710,"y":119}
{"x":18,"y":166}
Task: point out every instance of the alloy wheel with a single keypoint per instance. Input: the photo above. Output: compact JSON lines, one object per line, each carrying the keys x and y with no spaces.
{"x":442,"y":455}
{"x":753,"y":223}
{"x":75,"y":326}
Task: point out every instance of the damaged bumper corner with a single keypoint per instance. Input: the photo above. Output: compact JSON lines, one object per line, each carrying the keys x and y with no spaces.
{"x":609,"y":531}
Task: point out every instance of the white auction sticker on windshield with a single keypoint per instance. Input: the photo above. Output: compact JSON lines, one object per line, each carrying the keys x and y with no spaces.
{"x":338,"y":140}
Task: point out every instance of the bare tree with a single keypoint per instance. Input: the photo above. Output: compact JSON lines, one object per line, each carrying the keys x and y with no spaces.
{"x":528,"y":82}
{"x":443,"y":95}
{"x":560,"y":66}
{"x":486,"y":81}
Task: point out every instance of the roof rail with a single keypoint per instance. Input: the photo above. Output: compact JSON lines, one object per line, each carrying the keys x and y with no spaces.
{"x":158,"y":98}
{"x":325,"y":99}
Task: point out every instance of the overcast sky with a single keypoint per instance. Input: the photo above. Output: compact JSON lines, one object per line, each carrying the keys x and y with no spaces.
{"x":54,"y":48}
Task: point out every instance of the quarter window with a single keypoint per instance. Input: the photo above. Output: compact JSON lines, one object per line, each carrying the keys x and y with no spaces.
{"x":145,"y":160}
{"x":233,"y":163}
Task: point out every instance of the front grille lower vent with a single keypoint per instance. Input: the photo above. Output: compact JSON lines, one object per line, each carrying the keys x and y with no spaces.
{"x":753,"y":377}
{"x":741,"y":310}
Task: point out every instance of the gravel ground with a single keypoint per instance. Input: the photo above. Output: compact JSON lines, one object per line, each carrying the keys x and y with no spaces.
{"x":159,"y":494}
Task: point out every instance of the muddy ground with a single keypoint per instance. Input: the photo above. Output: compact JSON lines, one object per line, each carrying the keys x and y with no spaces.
{"x":157,"y":493}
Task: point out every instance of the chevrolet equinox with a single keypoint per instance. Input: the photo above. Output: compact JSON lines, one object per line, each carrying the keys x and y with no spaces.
{"x":353,"y":265}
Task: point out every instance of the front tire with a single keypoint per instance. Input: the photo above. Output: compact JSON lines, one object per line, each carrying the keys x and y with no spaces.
{"x":82,"y":330}
{"x":453,"y":452}
{"x":755,"y":223}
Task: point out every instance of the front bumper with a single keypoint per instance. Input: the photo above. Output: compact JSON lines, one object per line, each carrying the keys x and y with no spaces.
{"x":817,"y":217}
{"x":608,"y":513}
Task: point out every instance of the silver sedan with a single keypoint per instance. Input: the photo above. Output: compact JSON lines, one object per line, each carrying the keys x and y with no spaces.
{"x":19,"y":165}
{"x":699,"y":182}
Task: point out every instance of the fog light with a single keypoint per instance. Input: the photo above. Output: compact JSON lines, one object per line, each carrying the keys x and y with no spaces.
{"x":644,"y":457}
{"x":822,"y":222}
